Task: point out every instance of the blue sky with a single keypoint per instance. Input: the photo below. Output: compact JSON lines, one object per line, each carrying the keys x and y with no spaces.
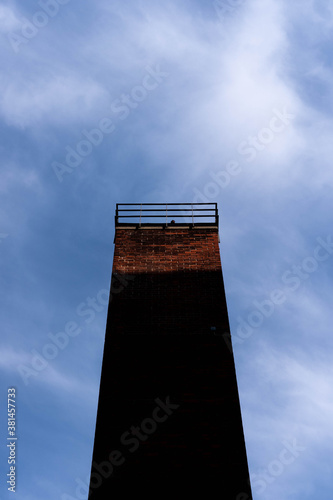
{"x":228,"y":102}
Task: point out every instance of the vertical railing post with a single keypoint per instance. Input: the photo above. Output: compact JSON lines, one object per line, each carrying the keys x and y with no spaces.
{"x":116,"y":216}
{"x":140,"y":214}
{"x":192,"y":215}
{"x":166,"y":214}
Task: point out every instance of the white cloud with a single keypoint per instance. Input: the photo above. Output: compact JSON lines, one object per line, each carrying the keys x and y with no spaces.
{"x":58,"y":99}
{"x":50,"y":378}
{"x":11,"y":358}
{"x":14,"y":175}
{"x":290,"y":398}
{"x":8,"y":19}
{"x":220,"y":94}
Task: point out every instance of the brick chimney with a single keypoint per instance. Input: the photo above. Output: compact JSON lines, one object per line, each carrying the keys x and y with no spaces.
{"x":168,"y":405}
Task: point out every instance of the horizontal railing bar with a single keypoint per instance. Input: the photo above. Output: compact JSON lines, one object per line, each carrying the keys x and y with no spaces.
{"x":161,"y":210}
{"x":133,"y":216}
{"x":208,"y":223}
{"x":162,"y":204}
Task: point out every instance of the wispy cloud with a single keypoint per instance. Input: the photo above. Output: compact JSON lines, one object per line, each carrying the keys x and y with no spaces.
{"x":8,"y":19}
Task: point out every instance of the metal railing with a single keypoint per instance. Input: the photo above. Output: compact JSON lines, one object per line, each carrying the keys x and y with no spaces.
{"x":194,"y":214}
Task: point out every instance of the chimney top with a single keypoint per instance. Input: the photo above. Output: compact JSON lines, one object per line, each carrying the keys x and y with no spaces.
{"x":166,"y":214}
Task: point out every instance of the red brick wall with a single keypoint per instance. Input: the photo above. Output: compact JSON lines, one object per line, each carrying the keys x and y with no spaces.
{"x":166,"y":250}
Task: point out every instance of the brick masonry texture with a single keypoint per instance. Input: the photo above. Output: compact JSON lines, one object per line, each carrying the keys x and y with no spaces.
{"x":166,"y":250}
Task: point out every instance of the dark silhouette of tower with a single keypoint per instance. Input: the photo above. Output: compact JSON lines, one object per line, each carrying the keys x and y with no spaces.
{"x":168,"y":407}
